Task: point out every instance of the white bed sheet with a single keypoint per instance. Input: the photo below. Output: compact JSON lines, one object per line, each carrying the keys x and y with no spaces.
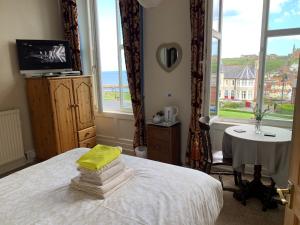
{"x":157,"y":194}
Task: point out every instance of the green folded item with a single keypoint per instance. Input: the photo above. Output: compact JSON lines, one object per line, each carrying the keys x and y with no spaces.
{"x":98,"y":157}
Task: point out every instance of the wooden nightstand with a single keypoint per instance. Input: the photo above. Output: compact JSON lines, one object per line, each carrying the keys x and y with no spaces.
{"x":164,"y":143}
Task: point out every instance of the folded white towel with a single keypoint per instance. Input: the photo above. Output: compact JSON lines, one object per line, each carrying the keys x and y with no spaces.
{"x":104,"y":190}
{"x":100,"y":178}
{"x":97,"y":172}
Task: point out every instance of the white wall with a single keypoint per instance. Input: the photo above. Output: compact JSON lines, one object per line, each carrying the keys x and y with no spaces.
{"x":114,"y":129}
{"x":169,"y":22}
{"x":25,"y":19}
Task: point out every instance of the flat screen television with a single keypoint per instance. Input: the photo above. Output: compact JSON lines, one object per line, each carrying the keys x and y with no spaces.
{"x":43,"y":56}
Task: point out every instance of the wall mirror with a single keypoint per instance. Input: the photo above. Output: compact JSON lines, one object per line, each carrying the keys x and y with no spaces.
{"x":169,"y":56}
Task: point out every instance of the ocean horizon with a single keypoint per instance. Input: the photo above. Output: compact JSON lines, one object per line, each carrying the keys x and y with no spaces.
{"x":112,"y":77}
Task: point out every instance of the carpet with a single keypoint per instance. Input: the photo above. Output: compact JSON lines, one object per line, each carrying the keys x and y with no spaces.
{"x":234,"y":213}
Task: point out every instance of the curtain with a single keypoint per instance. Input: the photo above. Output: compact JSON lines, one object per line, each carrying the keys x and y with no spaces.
{"x":194,"y":155}
{"x":71,"y":30}
{"x":131,"y":19}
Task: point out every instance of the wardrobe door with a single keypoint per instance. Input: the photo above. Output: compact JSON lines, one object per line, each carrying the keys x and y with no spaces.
{"x":83,"y":102}
{"x":64,"y":114}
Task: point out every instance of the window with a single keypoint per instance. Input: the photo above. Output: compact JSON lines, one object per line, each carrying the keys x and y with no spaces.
{"x":232,"y":94}
{"x":244,"y":95}
{"x":226,"y":94}
{"x":251,"y":83}
{"x":232,"y":82}
{"x":250,"y":95}
{"x":260,"y":51}
{"x":114,"y":85}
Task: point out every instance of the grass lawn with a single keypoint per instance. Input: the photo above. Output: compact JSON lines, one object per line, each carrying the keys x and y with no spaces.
{"x":237,"y":114}
{"x":110,"y":95}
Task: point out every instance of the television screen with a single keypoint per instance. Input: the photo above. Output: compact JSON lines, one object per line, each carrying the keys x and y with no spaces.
{"x":43,"y":55}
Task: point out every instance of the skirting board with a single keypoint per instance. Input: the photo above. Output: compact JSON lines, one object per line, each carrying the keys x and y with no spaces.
{"x":13,"y":165}
{"x":124,"y":143}
{"x":28,"y":159}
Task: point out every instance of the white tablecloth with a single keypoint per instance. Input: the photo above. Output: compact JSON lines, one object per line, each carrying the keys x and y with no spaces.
{"x":251,"y":148}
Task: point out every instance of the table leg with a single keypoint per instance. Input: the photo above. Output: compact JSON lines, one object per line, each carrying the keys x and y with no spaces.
{"x":256,"y":189}
{"x":257,"y":172}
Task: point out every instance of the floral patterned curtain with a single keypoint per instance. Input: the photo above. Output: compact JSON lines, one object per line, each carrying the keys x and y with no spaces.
{"x":71,"y":31}
{"x":194,"y":155}
{"x":131,"y":18}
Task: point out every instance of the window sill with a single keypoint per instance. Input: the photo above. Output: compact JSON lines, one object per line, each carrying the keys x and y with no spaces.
{"x":274,"y":123}
{"x":116,"y":115}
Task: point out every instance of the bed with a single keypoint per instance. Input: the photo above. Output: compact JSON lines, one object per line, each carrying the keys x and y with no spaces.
{"x":158,"y":193}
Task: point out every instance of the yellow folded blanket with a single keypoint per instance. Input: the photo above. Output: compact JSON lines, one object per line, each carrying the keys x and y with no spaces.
{"x":98,"y":157}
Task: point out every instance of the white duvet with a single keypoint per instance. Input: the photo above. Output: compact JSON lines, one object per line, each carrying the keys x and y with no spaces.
{"x":157,"y":194}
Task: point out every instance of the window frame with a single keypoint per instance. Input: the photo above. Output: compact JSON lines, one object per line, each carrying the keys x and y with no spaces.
{"x":96,"y":67}
{"x":265,"y":34}
{"x":210,"y":35}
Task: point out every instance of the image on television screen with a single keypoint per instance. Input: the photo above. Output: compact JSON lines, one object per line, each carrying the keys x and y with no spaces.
{"x":43,"y":54}
{"x":46,"y":54}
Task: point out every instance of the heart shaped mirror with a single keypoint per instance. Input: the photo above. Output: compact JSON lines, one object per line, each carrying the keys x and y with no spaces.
{"x":169,"y":56}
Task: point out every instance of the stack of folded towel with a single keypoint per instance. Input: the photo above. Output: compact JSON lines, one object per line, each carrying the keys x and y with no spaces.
{"x":101,"y":171}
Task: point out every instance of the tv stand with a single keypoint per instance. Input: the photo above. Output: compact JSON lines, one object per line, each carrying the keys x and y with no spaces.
{"x":54,"y":74}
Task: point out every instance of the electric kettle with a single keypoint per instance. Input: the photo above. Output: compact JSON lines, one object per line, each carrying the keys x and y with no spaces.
{"x":170,"y":113}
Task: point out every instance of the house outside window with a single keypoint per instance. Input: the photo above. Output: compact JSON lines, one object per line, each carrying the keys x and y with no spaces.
{"x":265,"y":69}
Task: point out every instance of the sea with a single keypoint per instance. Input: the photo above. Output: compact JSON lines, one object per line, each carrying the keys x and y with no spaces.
{"x":112,"y":78}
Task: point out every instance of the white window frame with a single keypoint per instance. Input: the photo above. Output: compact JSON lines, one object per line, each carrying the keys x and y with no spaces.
{"x":210,"y":35}
{"x":97,"y":58}
{"x":265,"y":34}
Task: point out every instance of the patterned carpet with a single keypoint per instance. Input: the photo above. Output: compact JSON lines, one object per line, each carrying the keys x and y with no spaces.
{"x":234,"y":213}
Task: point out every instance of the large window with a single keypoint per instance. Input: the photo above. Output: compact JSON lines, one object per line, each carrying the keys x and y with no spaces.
{"x":114,"y":89}
{"x":260,"y":56}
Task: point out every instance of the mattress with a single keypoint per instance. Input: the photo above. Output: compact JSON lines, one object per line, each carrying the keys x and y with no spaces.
{"x":158,"y":193}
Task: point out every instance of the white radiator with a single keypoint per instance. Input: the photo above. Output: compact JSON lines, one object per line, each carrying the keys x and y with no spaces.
{"x":11,"y":142}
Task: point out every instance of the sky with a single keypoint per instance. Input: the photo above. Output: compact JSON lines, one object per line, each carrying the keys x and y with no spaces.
{"x":242,"y":20}
{"x":107,"y":27}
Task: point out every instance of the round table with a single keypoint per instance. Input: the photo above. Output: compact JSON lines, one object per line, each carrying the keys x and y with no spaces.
{"x":245,"y":146}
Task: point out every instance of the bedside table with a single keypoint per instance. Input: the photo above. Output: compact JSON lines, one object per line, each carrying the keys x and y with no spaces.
{"x":164,"y":143}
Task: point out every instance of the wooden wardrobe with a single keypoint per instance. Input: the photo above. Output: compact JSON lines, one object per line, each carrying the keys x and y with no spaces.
{"x":61,"y":111}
